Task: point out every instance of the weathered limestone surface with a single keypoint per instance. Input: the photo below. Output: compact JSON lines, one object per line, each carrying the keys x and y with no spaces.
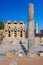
{"x":31,"y":30}
{"x":31,"y":38}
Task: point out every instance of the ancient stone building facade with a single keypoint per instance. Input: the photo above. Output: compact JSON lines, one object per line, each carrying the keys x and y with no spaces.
{"x":15,"y":30}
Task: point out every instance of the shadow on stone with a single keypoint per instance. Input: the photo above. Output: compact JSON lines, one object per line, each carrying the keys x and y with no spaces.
{"x":23,"y":48}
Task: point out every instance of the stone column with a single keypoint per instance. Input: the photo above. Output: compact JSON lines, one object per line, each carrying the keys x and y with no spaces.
{"x":4,"y":29}
{"x":18,"y":32}
{"x":31,"y":48}
{"x":36,"y":27}
{"x":23,"y":33}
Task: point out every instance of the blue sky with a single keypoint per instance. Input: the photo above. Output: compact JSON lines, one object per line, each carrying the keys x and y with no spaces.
{"x":18,"y":10}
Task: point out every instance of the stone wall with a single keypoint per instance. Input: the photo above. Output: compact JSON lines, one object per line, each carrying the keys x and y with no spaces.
{"x":16,"y":30}
{"x":38,"y":40}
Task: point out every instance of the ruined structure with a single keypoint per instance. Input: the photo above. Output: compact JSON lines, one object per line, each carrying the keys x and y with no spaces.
{"x":15,"y":31}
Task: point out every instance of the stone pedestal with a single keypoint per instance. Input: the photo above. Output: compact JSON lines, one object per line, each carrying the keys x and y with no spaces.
{"x":41,"y":54}
{"x":10,"y":54}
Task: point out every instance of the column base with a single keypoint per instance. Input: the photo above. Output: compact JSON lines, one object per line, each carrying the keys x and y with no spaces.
{"x":33,"y":56}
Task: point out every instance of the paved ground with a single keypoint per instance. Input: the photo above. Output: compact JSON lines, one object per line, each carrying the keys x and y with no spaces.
{"x":22,"y":61}
{"x":19,"y":48}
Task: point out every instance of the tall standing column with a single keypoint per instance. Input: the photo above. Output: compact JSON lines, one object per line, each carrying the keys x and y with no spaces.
{"x":36,"y":27}
{"x":31,"y":29}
